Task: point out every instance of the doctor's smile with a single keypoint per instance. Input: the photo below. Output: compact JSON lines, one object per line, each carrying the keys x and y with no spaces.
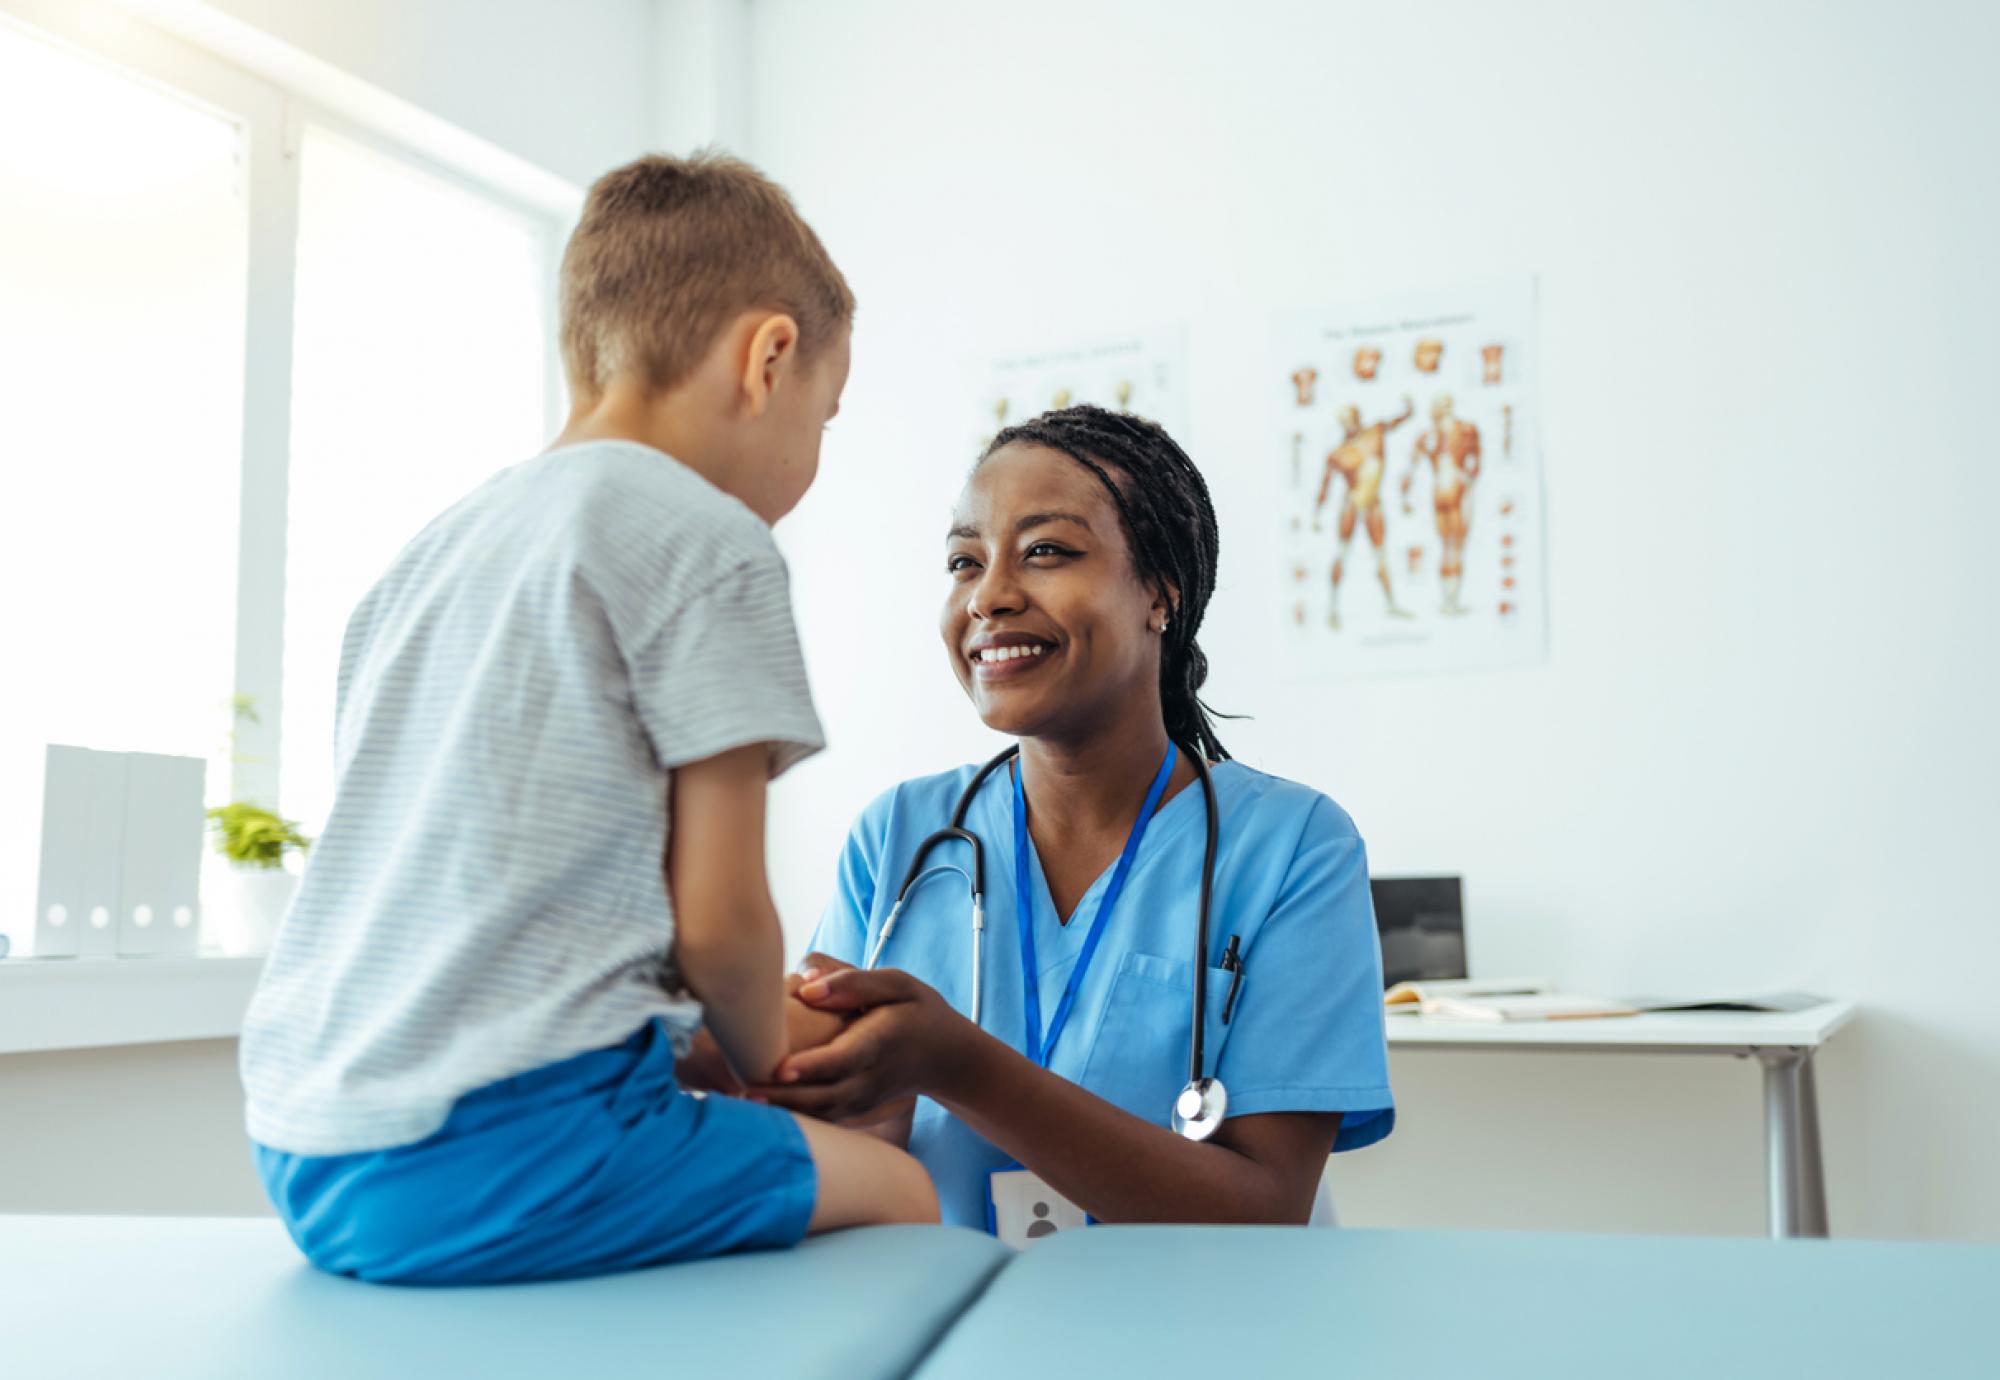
{"x":1004,"y":655}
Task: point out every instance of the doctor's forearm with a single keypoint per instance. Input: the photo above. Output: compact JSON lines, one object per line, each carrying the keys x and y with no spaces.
{"x":1105,"y":1160}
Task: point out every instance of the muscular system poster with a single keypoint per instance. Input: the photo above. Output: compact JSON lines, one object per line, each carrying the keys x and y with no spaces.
{"x":1408,"y":445}
{"x":1143,"y":372}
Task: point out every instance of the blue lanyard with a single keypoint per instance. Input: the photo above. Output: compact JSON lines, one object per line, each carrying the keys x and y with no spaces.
{"x":1040,"y":1047}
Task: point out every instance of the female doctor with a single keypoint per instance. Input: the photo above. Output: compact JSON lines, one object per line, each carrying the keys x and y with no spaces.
{"x":1081,"y":556}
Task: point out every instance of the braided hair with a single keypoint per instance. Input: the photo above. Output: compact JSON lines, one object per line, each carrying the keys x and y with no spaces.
{"x":1170,"y":526}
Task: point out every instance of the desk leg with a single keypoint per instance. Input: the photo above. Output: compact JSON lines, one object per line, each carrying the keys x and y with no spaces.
{"x":1781,"y":1131}
{"x":1794,"y":1188}
{"x":1812,"y":1179}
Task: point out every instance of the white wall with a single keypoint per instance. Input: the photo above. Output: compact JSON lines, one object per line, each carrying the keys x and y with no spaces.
{"x":140,"y":1129}
{"x":1761,"y":751}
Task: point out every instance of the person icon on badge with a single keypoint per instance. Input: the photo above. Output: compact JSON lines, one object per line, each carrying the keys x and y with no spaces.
{"x":1041,"y":1226}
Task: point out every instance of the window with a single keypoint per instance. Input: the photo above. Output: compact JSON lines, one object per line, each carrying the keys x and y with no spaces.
{"x":418,"y":370}
{"x":122,"y":270}
{"x":244,"y":348}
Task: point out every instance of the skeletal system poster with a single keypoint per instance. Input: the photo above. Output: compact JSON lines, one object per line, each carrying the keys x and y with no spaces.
{"x":1412,"y":486}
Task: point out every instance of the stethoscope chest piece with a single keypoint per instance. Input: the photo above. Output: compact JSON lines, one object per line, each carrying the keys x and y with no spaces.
{"x":1201,"y":1108}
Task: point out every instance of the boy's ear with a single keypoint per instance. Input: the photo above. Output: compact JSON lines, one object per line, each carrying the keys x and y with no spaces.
{"x":774,"y":349}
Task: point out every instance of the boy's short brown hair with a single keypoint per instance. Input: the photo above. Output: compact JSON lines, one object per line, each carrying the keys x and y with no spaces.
{"x":669,"y":250}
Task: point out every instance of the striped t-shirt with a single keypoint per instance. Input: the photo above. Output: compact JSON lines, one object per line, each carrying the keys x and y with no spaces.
{"x":488,"y":895}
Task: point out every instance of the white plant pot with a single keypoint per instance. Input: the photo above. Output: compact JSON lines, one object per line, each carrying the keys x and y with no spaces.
{"x":252,"y":902}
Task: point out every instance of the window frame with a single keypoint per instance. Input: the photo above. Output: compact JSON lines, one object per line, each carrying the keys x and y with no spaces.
{"x":271,"y":118}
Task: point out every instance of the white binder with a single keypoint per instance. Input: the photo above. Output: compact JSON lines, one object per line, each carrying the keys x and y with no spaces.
{"x":121,"y":854}
{"x":103,"y":855}
{"x":59,"y":915}
{"x":160,"y":889}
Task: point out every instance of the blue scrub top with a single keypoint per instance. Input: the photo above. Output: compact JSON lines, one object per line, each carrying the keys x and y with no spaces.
{"x":1291,"y":881}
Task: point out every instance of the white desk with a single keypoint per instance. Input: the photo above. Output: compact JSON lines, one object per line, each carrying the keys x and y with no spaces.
{"x":1784,"y":1043}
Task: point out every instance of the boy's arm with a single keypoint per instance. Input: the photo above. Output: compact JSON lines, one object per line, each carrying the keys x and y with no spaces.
{"x":703,"y":1069}
{"x":727,"y":941}
{"x":891,"y":1123}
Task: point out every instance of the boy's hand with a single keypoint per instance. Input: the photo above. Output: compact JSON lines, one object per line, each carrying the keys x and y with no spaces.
{"x":904,"y":1040}
{"x":890,"y":1122}
{"x":704,"y":1069}
{"x":806,"y":1027}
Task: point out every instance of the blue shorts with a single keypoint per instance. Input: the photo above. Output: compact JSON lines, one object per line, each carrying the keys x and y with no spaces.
{"x":592,"y":1165}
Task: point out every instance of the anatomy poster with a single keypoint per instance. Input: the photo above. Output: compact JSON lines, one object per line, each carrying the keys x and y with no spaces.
{"x":1412,"y":485}
{"x":1143,"y":372}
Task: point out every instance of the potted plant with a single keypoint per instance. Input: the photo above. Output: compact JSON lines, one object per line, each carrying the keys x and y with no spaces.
{"x":258,"y":845}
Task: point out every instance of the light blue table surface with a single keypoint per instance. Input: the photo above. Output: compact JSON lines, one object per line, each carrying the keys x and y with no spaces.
{"x":1244,"y":1301}
{"x":217,"y":1299}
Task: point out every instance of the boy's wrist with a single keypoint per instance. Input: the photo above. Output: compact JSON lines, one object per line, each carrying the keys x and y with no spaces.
{"x":771,"y":1051}
{"x":808,"y":1028}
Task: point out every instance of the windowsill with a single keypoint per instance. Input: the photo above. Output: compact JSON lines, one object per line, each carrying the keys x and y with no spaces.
{"x":90,"y":1003}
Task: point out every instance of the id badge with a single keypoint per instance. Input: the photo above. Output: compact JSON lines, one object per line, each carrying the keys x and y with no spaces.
{"x":1021,"y":1209}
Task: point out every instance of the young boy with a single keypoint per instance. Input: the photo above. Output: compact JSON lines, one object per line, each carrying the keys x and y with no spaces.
{"x":544,"y":866}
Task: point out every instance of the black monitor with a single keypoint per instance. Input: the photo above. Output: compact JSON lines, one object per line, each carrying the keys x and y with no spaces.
{"x":1421,"y":921}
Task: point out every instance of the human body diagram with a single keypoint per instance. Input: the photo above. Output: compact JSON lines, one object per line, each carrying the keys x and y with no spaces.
{"x":1452,"y":503}
{"x":1451,"y":446}
{"x":1361,"y":461}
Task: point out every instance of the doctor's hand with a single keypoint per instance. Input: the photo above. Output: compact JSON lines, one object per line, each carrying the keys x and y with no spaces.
{"x":901,"y":1039}
{"x":703,"y":1069}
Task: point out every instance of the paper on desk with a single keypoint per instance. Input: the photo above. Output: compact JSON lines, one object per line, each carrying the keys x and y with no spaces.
{"x":1408,"y":996}
{"x":1544,"y":1006}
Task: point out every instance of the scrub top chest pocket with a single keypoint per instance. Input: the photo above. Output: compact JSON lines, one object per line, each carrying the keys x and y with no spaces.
{"x":1138,"y":1058}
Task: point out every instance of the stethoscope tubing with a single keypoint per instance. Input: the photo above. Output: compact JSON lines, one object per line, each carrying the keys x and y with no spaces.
{"x":1197,"y":1041}
{"x":917,"y":872}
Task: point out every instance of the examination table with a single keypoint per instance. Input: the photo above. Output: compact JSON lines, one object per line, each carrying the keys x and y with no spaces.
{"x":168,"y":1298}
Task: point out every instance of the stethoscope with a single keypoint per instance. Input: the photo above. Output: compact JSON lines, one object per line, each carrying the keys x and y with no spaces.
{"x":1204,"y":1102}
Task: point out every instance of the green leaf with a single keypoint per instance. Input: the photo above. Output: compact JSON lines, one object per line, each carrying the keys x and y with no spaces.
{"x":253,"y":836}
